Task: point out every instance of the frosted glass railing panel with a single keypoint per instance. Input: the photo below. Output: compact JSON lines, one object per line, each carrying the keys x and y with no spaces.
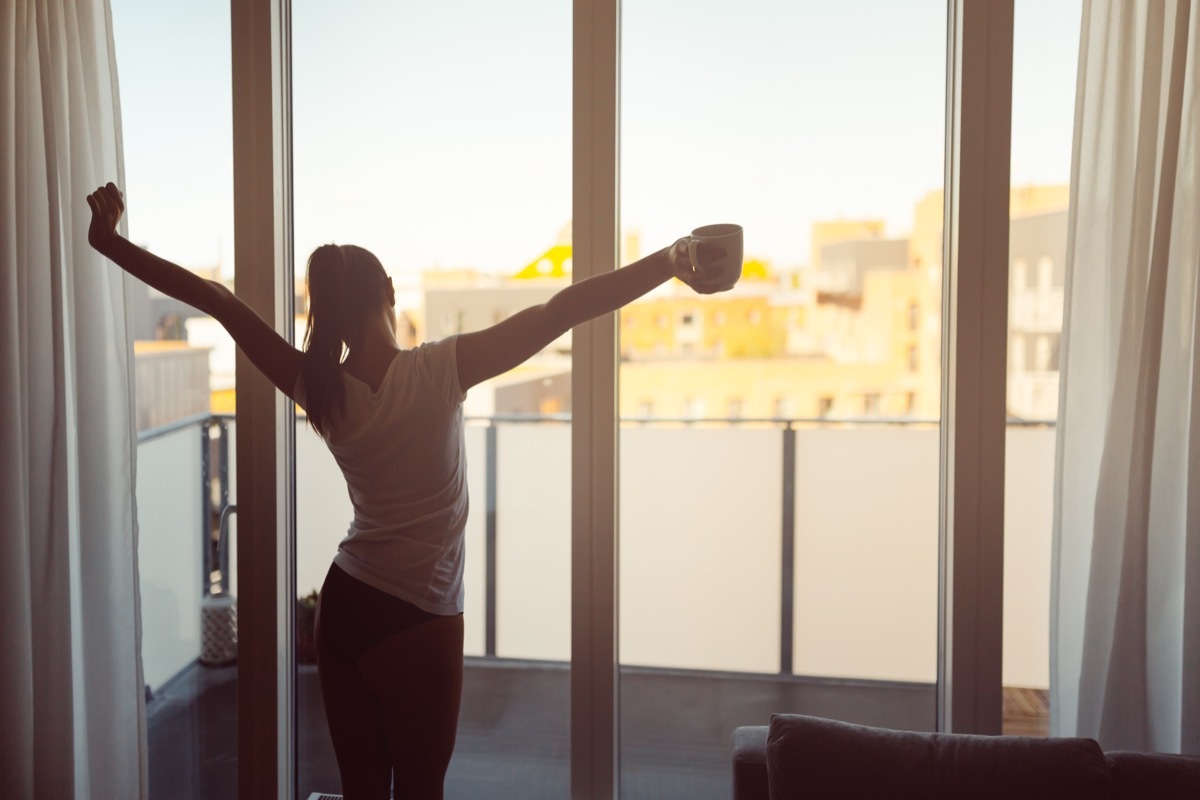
{"x":700,"y":548}
{"x":533,"y":541}
{"x":170,"y":552}
{"x":867,"y":553}
{"x":1028,"y":520}
{"x":474,"y":570}
{"x":705,"y":542}
{"x":323,"y":510}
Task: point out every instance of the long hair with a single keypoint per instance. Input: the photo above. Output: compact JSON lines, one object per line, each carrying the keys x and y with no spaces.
{"x":344,"y":285}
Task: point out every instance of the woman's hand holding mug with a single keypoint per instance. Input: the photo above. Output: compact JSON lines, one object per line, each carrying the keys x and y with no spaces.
{"x":710,"y":259}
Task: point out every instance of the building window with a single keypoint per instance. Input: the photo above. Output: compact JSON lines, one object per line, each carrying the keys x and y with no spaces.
{"x":782,"y":408}
{"x":913,"y":358}
{"x":824,"y":406}
{"x":693,"y":407}
{"x":735,"y":408}
{"x":1020,"y":274}
{"x":645,"y":408}
{"x":687,"y":319}
{"x":914,"y":316}
{"x":1017,"y":355}
{"x":871,"y":403}
{"x":910,"y":403}
{"x":1045,"y":273}
{"x":1041,"y":353}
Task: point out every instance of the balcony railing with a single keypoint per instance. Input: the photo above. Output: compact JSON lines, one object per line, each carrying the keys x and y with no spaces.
{"x":811,"y":545}
{"x":766,"y":565}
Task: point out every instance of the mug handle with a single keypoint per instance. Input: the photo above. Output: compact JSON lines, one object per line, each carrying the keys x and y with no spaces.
{"x":693,"y":245}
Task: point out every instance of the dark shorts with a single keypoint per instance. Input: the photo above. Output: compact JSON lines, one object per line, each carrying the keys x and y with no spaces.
{"x":354,"y":617}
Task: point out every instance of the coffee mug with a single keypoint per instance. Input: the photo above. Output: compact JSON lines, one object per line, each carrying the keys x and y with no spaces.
{"x":726,"y":268}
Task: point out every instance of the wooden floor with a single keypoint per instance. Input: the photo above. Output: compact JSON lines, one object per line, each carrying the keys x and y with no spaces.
{"x":1026,"y":712}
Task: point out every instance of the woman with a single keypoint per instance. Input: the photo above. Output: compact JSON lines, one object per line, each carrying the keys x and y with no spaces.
{"x":389,"y":621}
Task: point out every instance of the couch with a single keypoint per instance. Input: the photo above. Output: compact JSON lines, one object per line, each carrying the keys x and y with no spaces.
{"x":808,"y":757}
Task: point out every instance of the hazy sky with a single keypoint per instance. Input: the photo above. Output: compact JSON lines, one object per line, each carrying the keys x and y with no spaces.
{"x":438,"y":133}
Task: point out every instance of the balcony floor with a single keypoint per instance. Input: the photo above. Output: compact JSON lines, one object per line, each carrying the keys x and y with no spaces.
{"x":513,"y":737}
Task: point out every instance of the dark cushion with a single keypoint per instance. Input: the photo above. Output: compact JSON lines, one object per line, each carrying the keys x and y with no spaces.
{"x":1163,"y":777}
{"x":750,"y":763}
{"x":808,"y":757}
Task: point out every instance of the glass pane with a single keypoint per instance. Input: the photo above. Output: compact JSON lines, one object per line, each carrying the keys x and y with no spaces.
{"x":438,"y":137}
{"x":779,"y":442}
{"x":174,"y":63}
{"x":1045,"y":58}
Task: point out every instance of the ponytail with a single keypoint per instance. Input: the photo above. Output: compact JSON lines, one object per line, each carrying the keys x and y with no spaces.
{"x":345,"y":285}
{"x":324,"y":335}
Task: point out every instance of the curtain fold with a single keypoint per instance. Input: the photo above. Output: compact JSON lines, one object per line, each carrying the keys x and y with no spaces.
{"x":1125,"y":608}
{"x":70,"y":668}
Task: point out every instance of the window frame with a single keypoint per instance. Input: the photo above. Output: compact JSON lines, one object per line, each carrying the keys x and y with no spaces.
{"x":979,"y":88}
{"x":266,"y":716}
{"x":974,"y":360}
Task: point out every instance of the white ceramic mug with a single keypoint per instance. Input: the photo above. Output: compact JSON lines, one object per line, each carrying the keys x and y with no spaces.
{"x":727,"y":237}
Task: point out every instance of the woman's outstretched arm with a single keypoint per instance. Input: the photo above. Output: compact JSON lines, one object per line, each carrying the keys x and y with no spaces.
{"x":495,"y":350}
{"x":267,"y":350}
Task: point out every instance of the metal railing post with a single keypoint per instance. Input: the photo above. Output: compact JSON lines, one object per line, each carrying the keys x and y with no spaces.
{"x":490,"y":550}
{"x":206,"y":540}
{"x":223,"y":489}
{"x":787,"y":586}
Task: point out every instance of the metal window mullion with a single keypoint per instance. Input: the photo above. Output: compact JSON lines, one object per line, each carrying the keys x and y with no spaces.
{"x":594,"y":706}
{"x":265,"y":474}
{"x":975,"y":323}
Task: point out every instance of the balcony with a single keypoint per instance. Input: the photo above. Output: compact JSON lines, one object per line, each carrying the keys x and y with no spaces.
{"x":777,"y":565}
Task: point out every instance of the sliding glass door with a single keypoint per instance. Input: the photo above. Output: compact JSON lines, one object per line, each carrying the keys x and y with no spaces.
{"x":181,"y":208}
{"x":438,"y":137}
{"x":771,"y":510}
{"x":779,"y":464}
{"x":1045,"y":59}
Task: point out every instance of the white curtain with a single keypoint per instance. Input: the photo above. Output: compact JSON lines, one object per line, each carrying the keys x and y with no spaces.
{"x":1125,"y":612}
{"x":72,"y":713}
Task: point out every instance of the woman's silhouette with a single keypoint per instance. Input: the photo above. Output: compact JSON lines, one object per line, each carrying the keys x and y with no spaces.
{"x":389,"y":620}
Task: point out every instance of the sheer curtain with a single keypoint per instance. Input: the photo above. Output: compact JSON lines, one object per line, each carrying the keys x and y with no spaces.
{"x":70,"y":675}
{"x":1125,"y":613}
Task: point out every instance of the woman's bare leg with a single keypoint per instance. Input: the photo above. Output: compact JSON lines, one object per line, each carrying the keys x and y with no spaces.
{"x":416,"y":678}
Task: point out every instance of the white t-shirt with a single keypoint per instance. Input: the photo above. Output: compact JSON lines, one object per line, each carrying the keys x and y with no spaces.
{"x":401,"y":450}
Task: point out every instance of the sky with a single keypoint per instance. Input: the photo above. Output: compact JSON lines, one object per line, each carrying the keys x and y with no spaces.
{"x":439,"y":134}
